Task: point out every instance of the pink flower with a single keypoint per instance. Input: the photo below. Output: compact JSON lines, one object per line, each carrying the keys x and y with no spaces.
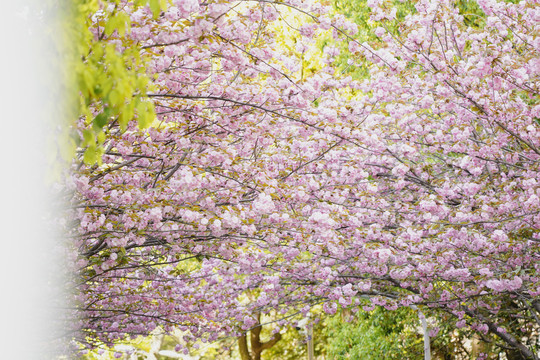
{"x":263,"y":204}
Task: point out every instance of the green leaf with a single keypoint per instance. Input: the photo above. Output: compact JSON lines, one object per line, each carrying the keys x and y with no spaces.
{"x":101,"y":137}
{"x":98,"y":50}
{"x":142,"y":82}
{"x":111,"y":25}
{"x":125,"y":116}
{"x":89,"y":138}
{"x":90,"y":155}
{"x":100,"y":120}
{"x":145,"y":110}
{"x":115,"y":98}
{"x":155,"y":7}
{"x":124,"y":23}
{"x":86,"y":82}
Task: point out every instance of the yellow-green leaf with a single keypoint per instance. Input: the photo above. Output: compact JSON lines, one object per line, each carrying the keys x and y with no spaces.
{"x":155,"y":7}
{"x":101,"y":137}
{"x":90,"y":155}
{"x":115,"y":98}
{"x":125,"y":116}
{"x":163,"y":4}
{"x":88,"y":136}
{"x":142,"y":115}
{"x":111,"y":25}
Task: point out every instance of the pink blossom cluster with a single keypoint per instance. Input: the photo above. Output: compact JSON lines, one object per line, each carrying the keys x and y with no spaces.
{"x":259,"y":183}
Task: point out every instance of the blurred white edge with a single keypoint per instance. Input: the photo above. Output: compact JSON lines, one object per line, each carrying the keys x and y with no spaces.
{"x":30,"y":98}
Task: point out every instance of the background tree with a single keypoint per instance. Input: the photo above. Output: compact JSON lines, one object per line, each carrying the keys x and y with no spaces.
{"x":375,"y":335}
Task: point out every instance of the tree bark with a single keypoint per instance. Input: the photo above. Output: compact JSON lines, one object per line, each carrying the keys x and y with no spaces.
{"x":243,"y":347}
{"x":514,"y":355}
{"x":257,"y":347}
{"x":526,"y":353}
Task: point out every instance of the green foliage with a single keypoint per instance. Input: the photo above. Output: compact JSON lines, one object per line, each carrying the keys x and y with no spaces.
{"x":472,"y":14}
{"x":358,"y":12}
{"x":380,"y":334}
{"x":108,"y":84}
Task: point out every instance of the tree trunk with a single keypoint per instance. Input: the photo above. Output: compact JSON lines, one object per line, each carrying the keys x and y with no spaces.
{"x":243,"y":348}
{"x":257,"y":347}
{"x":514,"y":355}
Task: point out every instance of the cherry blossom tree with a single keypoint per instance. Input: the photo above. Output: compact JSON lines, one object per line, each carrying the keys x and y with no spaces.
{"x":259,"y":189}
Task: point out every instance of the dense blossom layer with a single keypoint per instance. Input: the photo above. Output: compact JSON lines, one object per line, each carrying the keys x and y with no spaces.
{"x":260,"y":190}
